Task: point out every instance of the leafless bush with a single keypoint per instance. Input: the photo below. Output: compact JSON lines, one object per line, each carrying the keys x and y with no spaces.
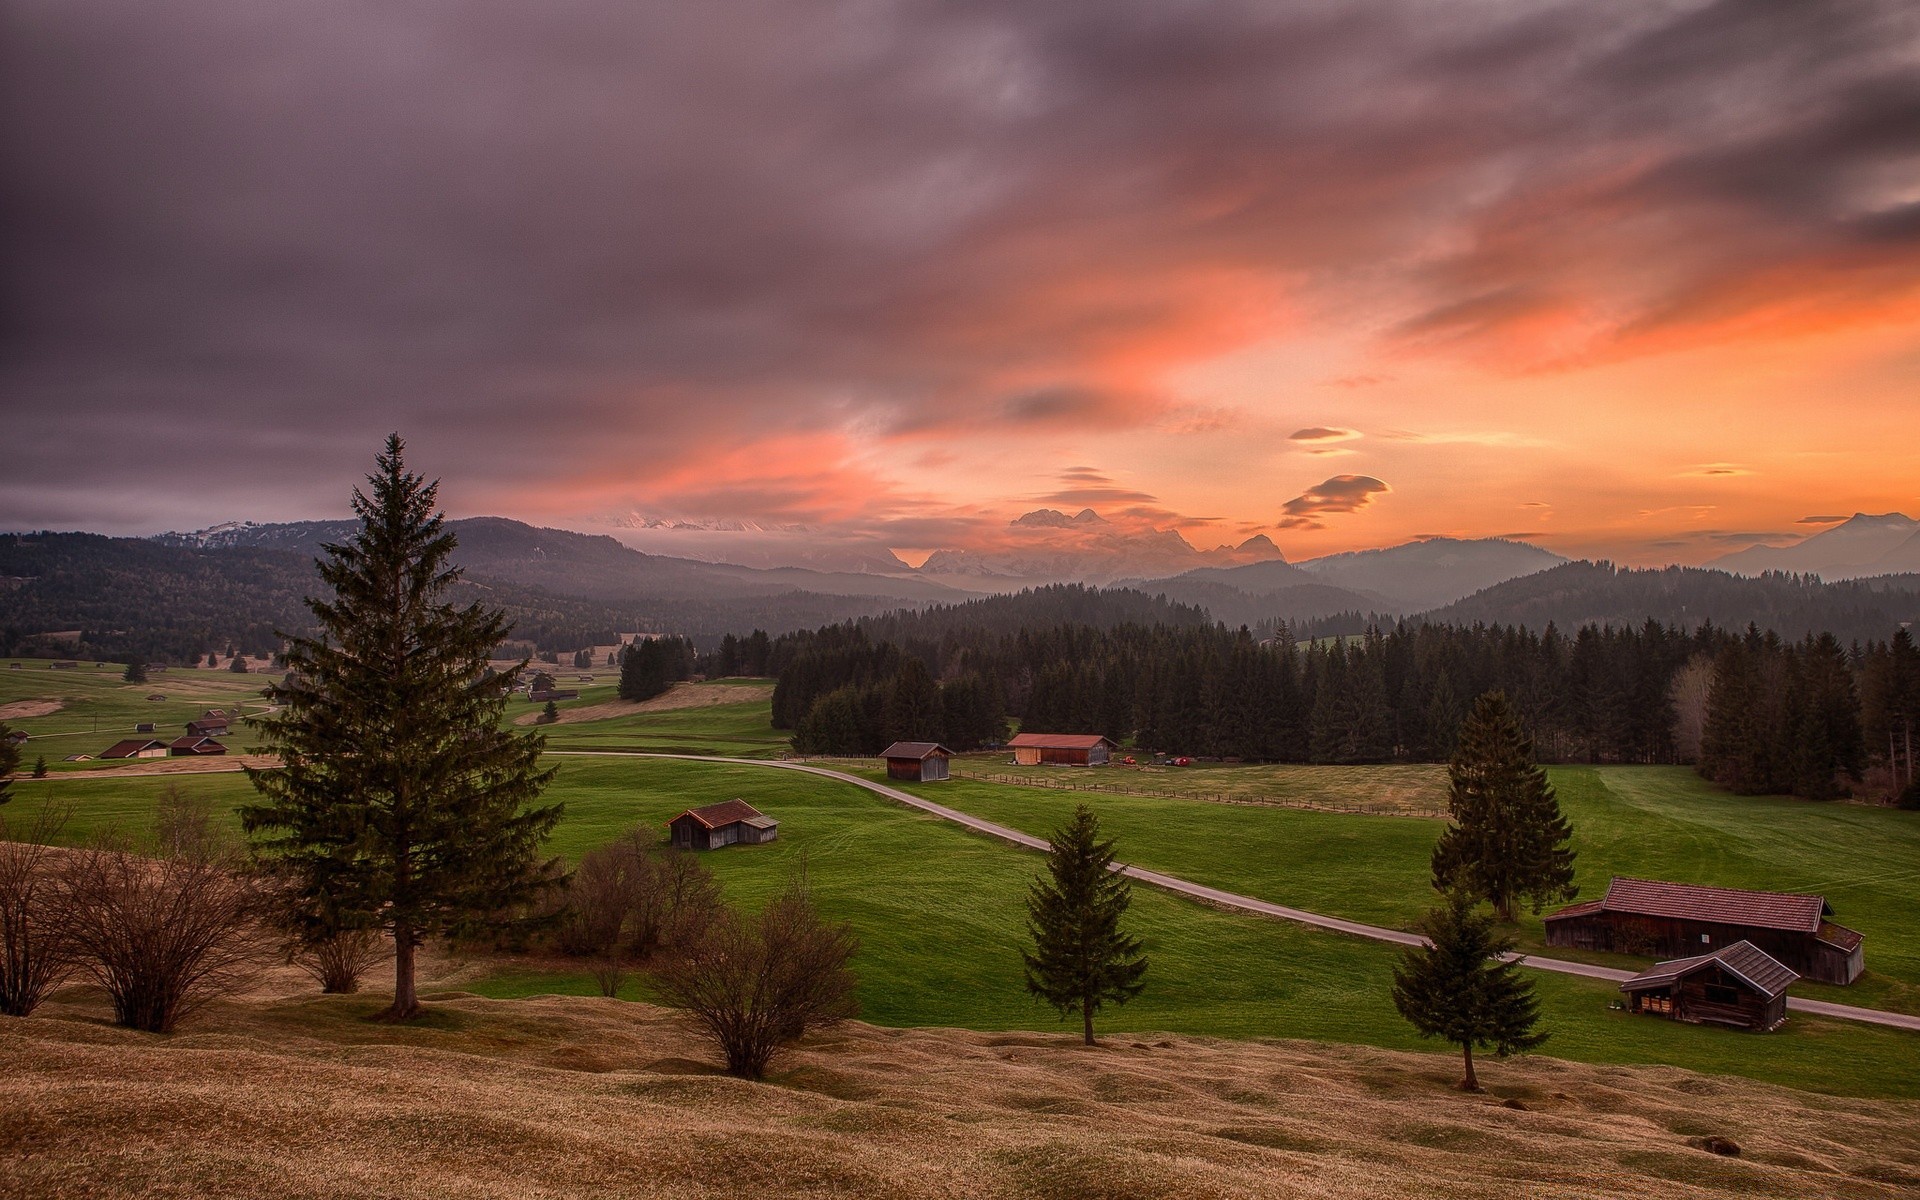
{"x":630,"y":898}
{"x":338,"y":960}
{"x":162,"y":935}
{"x":184,"y":826}
{"x":756,"y":983}
{"x":34,"y":952}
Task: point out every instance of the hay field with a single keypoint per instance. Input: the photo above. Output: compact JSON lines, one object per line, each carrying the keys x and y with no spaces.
{"x":563,"y":1096}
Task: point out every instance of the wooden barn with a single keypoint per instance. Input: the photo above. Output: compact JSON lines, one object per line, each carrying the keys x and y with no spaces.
{"x":922,"y":762}
{"x":136,"y":748}
{"x":193,"y":747}
{"x":1655,"y":918}
{"x":1740,"y":985}
{"x":547,"y":694}
{"x":723,"y":824}
{"x":1063,"y":749}
{"x":207,"y":727}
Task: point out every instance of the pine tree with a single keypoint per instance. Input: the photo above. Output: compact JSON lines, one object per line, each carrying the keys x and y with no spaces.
{"x":550,"y":714}
{"x":1457,"y":987}
{"x":1081,"y":957}
{"x":40,"y":767}
{"x":1508,"y":840}
{"x":402,"y":803}
{"x":136,"y":672}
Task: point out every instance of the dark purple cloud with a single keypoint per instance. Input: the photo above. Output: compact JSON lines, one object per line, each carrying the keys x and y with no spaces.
{"x":242,"y":241}
{"x":1341,"y":494}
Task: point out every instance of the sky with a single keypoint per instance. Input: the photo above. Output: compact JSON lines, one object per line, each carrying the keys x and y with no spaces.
{"x":1637,"y":279}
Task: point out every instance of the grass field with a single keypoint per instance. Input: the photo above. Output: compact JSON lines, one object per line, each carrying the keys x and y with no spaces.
{"x":1407,"y":789}
{"x":97,"y":708}
{"x":939,"y":911}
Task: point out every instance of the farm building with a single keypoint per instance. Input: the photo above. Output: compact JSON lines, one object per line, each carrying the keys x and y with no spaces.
{"x":158,"y":696}
{"x":16,"y":737}
{"x":144,"y":727}
{"x":191,"y":747}
{"x":1739,"y":985}
{"x":156,"y":668}
{"x":1652,"y":917}
{"x":924,"y":762}
{"x":136,"y":748}
{"x":63,"y":666}
{"x":722,"y":824}
{"x":541,"y":697}
{"x":78,"y":758}
{"x":1066,"y":749}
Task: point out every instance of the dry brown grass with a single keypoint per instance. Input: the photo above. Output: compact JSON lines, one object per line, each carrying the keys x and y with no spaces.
{"x":680,"y":695}
{"x":20,"y":710}
{"x":178,"y":766}
{"x":296,"y":1096}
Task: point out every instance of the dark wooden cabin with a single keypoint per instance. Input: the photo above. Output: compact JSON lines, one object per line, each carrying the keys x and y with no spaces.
{"x":731,"y":822}
{"x":194,"y":747}
{"x":207,"y":727}
{"x":1740,"y":985}
{"x":1062,"y":749}
{"x":1658,"y":919}
{"x":921,"y":762}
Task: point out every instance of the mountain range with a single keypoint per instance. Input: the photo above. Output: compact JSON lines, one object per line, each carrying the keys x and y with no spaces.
{"x":1861,"y":546}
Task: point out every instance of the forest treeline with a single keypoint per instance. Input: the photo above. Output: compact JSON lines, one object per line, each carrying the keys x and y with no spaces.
{"x":1756,"y":711}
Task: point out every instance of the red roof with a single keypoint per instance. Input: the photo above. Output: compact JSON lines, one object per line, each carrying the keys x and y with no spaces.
{"x":1718,"y":906}
{"x":727,"y":812}
{"x":1059,"y":741}
{"x":131,"y":747}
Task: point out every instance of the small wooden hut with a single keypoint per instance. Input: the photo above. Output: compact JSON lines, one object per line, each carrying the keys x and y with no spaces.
{"x":920,"y":762}
{"x":194,"y":747}
{"x":1740,"y":985}
{"x":731,"y":822}
{"x":1063,"y":749}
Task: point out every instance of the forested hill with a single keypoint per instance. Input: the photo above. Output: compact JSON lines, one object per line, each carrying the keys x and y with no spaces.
{"x":136,"y":598}
{"x":1034,"y":608}
{"x":1583,"y":593}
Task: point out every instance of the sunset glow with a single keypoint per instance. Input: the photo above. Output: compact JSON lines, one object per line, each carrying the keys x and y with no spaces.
{"x":1627,"y":281}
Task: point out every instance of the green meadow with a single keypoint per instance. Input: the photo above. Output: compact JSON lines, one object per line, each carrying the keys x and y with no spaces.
{"x":939,"y":912}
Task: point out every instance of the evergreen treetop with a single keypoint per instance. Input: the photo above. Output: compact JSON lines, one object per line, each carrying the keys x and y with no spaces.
{"x":401,"y":802}
{"x":1508,"y":840}
{"x":1081,"y":959}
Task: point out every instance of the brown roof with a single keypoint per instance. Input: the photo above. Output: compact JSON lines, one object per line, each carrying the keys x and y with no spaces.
{"x":192,"y":743}
{"x":727,"y":812}
{"x":1841,"y":936}
{"x":1060,"y":741}
{"x":1718,"y":906}
{"x":131,"y":747}
{"x":915,"y":750}
{"x":1767,"y":974}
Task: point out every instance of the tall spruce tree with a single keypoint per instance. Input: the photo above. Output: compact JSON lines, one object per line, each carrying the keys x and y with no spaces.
{"x":1458,"y":987}
{"x":1081,"y":959}
{"x":1508,"y":840}
{"x":402,"y":803}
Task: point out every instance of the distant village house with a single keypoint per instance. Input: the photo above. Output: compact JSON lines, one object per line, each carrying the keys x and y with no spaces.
{"x":136,"y":748}
{"x":920,"y":762}
{"x":193,"y":747}
{"x":1653,"y":917}
{"x":1063,"y":749}
{"x":725,"y":824}
{"x":1739,"y":985}
{"x":207,"y":727}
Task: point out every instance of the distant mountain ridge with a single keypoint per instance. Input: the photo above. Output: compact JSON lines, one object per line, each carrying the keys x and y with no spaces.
{"x":1862,"y":546}
{"x":1092,"y":550}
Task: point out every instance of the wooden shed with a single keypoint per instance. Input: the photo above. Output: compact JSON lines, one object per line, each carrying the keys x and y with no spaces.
{"x":1064,"y":749}
{"x":194,"y":747}
{"x":725,"y":824}
{"x":1655,"y":918}
{"x":207,"y":727}
{"x":1740,"y":985}
{"x":136,"y":748}
{"x":922,"y":762}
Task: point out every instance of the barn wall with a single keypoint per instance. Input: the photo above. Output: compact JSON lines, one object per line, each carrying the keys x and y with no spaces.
{"x":1668,"y":937}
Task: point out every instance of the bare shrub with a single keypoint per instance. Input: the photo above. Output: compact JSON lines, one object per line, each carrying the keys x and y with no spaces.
{"x":630,"y":898}
{"x":338,"y":960}
{"x":184,"y":826}
{"x":35,"y":955}
{"x":755,"y":983}
{"x":163,"y":936}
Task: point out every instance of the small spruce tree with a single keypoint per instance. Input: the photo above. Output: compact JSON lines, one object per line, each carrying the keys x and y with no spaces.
{"x":402,"y":802}
{"x":40,"y":767}
{"x":136,"y":672}
{"x":550,"y":714}
{"x":1081,"y":958}
{"x":1508,"y":840}
{"x":9,"y":763}
{"x":1458,"y":987}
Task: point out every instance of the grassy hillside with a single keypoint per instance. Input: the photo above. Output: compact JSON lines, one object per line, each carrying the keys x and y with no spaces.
{"x":299,"y":1097}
